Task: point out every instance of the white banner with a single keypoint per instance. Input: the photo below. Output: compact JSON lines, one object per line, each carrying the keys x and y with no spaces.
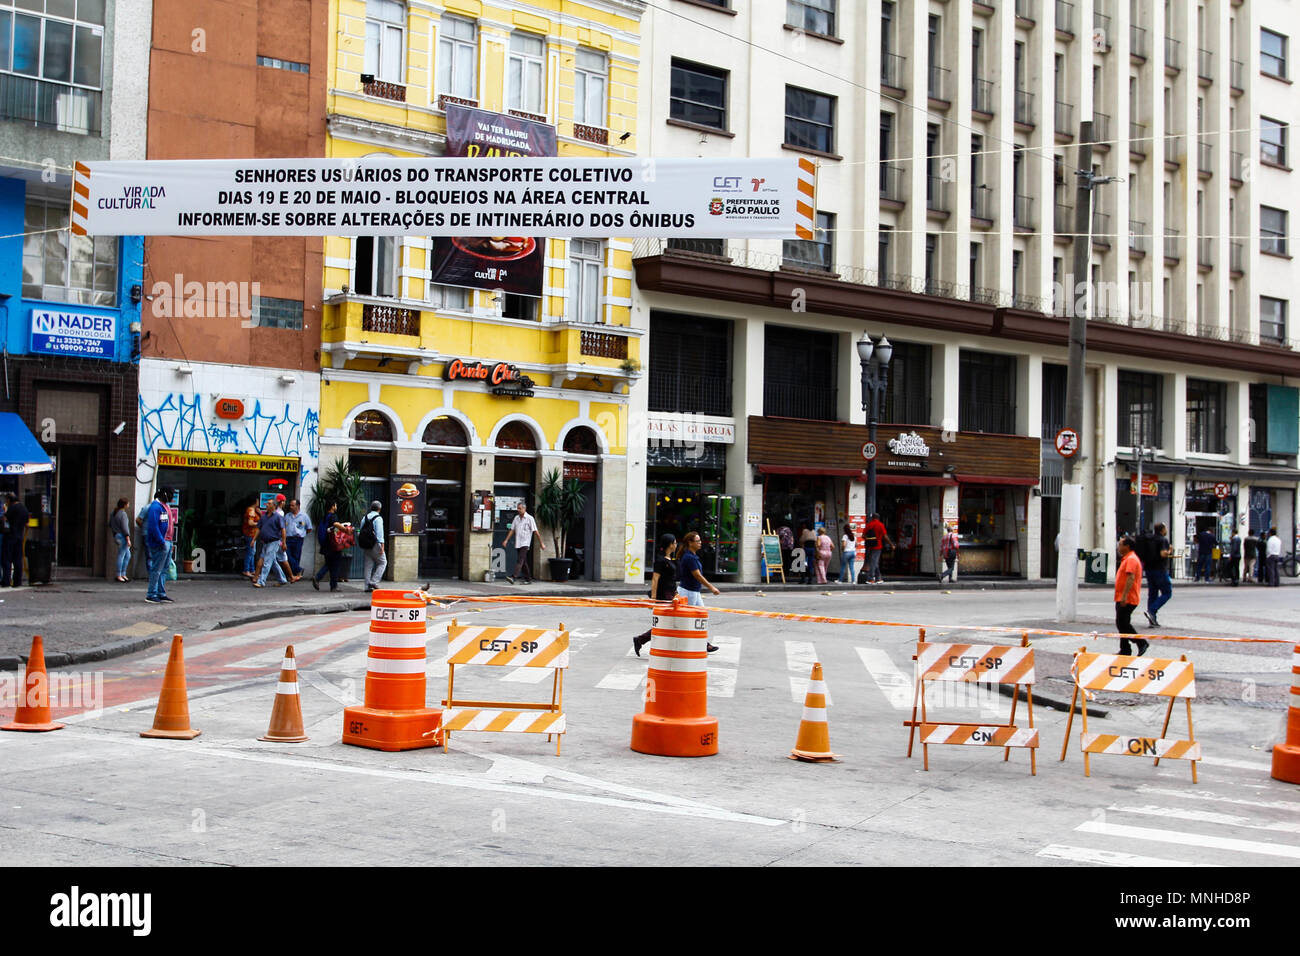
{"x":527,"y":196}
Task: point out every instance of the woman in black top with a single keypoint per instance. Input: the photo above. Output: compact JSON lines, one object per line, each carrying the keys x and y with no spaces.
{"x":663,"y":583}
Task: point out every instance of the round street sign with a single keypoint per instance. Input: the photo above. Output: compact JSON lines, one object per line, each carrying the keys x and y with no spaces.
{"x":869,"y":451}
{"x":1067,"y":443}
{"x":1222,"y":489}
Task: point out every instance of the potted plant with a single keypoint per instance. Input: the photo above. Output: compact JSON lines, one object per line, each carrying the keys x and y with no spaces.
{"x":559,"y":505}
{"x":341,"y":484}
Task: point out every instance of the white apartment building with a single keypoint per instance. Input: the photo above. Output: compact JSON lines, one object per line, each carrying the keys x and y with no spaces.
{"x":947,"y":137}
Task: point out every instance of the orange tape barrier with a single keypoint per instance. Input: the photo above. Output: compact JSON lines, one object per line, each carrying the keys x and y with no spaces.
{"x":444,"y":600}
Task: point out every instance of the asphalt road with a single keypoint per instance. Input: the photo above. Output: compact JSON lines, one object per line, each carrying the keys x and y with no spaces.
{"x":96,"y":793}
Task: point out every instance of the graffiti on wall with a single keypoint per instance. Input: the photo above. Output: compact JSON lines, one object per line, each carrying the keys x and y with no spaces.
{"x":177,"y":423}
{"x":631,"y":555}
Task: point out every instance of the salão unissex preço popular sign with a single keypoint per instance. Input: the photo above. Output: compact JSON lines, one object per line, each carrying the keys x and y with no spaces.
{"x":568,"y":196}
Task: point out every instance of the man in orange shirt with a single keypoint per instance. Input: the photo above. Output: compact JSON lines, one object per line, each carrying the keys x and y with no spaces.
{"x":1128,"y":594}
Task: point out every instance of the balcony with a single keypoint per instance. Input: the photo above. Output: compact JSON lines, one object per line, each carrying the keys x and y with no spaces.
{"x":982,"y":96}
{"x":1137,"y":41}
{"x":1062,"y":214}
{"x":1100,"y":131}
{"x":602,"y":344}
{"x":937,"y":86}
{"x":52,"y":105}
{"x":981,"y":204}
{"x":1205,"y":253}
{"x":1139,"y":139}
{"x":591,"y":134}
{"x":936,"y":195}
{"x":1101,"y":35}
{"x":1236,"y":167}
{"x":1205,"y":65}
{"x":893,"y":186}
{"x":1205,"y":158}
{"x":1236,"y":74}
{"x":1025,"y":10}
{"x":892,"y":70}
{"x":1236,"y":257}
{"x":1101,"y":234}
{"x":1173,"y":245}
{"x":1173,"y":55}
{"x":1065,"y":17}
{"x":1024,"y":108}
{"x":1139,"y":242}
{"x":1173,"y":150}
{"x":1064,"y":119}
{"x":1023,"y":212}
{"x":389,"y":320}
{"x":383,"y":89}
{"x":445,"y":98}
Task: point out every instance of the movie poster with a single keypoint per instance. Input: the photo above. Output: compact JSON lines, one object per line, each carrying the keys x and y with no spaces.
{"x":514,"y":264}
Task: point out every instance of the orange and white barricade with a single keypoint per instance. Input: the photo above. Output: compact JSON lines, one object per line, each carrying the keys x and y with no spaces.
{"x":974,"y":664}
{"x":506,"y":647}
{"x":1286,"y":755}
{"x":1122,"y":674}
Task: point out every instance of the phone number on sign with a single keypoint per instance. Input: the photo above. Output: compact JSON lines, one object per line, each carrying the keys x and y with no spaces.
{"x":94,"y":347}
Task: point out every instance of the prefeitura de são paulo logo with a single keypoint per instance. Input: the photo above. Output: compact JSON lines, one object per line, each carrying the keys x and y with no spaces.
{"x":715,"y":206}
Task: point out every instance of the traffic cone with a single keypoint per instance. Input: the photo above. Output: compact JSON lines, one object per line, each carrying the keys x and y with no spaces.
{"x":172,"y":718}
{"x":814,"y":741}
{"x":1286,"y":757}
{"x":286,"y":714}
{"x":33,"y":711}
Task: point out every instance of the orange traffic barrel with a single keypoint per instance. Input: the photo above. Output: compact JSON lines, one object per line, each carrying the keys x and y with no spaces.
{"x":1286,"y":756}
{"x":33,"y":713}
{"x":172,"y":718}
{"x":394,"y":716}
{"x":676,"y":721}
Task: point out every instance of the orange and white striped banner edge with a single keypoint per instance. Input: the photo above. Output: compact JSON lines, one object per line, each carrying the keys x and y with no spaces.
{"x":806,"y":216}
{"x":1140,"y":746}
{"x":973,"y":735}
{"x":507,"y":646}
{"x":982,"y":663}
{"x":1118,"y":673}
{"x":503,"y":721}
{"x":80,"y":196}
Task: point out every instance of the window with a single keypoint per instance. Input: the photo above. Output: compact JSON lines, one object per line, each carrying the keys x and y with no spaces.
{"x":449,"y":297}
{"x":987,"y":392}
{"x":1017,"y":264}
{"x":1258,"y":420}
{"x":51,"y":65}
{"x":275,"y":63}
{"x":586,"y":257}
{"x":1272,"y":53}
{"x":372,"y":426}
{"x":799,"y":373}
{"x":591,"y":80}
{"x":526,"y":73}
{"x":61,"y":267}
{"x":886,"y":29}
{"x":815,"y":253}
{"x":1141,"y":399}
{"x":1272,"y":230}
{"x":698,"y":95}
{"x":883,"y":258}
{"x":1272,"y":141}
{"x":690,"y":356}
{"x":458,"y":58}
{"x":385,"y":40}
{"x":375,"y":268}
{"x":518,"y":307}
{"x":815,"y":16}
{"x":269,"y":313}
{"x":907,"y":394}
{"x":809,"y":120}
{"x":974,"y":276}
{"x":931,"y":263}
{"x":1206,"y":419}
{"x":1055,"y":379}
{"x":1272,"y":320}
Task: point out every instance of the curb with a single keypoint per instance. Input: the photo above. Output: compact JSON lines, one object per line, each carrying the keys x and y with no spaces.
{"x":101,"y":652}
{"x":289,"y":612}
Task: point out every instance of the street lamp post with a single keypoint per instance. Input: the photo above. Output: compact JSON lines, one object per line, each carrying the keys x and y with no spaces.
{"x":874,"y":357}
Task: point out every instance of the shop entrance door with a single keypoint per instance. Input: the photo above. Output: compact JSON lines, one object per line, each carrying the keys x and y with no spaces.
{"x":440,"y":550}
{"x":375,"y":489}
{"x":74,"y":506}
{"x":508,"y":494}
{"x":720,"y":553}
{"x":583,"y":540}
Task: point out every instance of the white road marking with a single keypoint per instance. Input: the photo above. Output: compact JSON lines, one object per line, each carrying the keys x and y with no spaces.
{"x":1236,"y":764}
{"x":722,"y":680}
{"x":1289,"y":806}
{"x":1081,"y":854}
{"x":1189,"y":839}
{"x":1208,"y":816}
{"x":893,"y":683}
{"x":628,"y":674}
{"x":799,"y":659}
{"x":271,"y":659}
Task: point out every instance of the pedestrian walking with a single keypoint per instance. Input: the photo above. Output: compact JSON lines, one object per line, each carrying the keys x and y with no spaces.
{"x":1261,"y":557}
{"x":876,"y":538}
{"x":1251,"y":547}
{"x":1274,"y":551}
{"x":663,"y":582}
{"x":370,"y":537}
{"x":1154,"y":552}
{"x":948,"y":549}
{"x":1128,"y":594}
{"x":157,"y":528}
{"x":825,"y":548}
{"x":690,"y":575}
{"x":297,"y":525}
{"x":120,"y":525}
{"x":786,"y":537}
{"x":523,"y":528}
{"x":848,"y":556}
{"x":808,"y":544}
{"x":248,"y":529}
{"x":329,"y":548}
{"x":1206,"y":542}
{"x":16,"y":516}
{"x":1234,"y":557}
{"x":270,"y":538}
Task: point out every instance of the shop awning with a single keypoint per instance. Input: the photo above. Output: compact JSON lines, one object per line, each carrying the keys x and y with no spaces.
{"x":997,"y":480}
{"x":919,"y":481}
{"x":20,"y":452}
{"x":809,"y":470}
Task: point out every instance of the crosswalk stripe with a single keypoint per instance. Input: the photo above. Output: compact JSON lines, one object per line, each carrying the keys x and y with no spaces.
{"x":1211,"y":795}
{"x":272,"y":657}
{"x":799,"y":659}
{"x":1209,"y":816}
{"x":195,"y":650}
{"x":893,"y":683}
{"x":1190,"y":839}
{"x":1082,"y":854}
{"x":627,"y":674}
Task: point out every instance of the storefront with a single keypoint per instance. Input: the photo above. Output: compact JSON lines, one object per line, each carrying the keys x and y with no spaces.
{"x":686,"y":460}
{"x":1154,"y":501}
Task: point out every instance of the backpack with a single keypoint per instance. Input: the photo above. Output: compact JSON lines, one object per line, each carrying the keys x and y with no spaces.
{"x":1145,"y":548}
{"x":367,"y":538}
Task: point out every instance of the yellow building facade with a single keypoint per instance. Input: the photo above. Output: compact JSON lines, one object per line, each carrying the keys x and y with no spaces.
{"x":560,"y":367}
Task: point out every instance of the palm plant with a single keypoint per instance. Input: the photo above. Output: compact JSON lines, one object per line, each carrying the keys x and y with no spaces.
{"x":559,"y":505}
{"x":341,"y":484}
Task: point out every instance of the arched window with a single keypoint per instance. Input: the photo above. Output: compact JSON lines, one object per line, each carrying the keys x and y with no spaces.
{"x":446,"y":431}
{"x":372,"y":426}
{"x":516,"y":435}
{"x":581,"y":441}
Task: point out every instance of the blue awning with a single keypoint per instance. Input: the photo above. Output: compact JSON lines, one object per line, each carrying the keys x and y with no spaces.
{"x":20,"y":452}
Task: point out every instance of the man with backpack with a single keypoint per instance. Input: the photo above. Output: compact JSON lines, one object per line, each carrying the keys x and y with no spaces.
{"x":370,"y":538}
{"x":1154,"y":552}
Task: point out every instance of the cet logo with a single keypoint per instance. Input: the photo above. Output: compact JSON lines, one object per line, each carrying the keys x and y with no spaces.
{"x":726,"y":182}
{"x":715,"y":206}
